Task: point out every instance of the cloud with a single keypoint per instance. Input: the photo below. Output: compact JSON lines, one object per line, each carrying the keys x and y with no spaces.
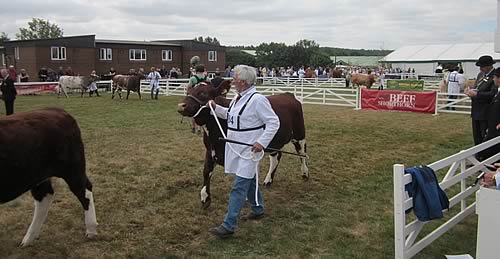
{"x":341,"y":23}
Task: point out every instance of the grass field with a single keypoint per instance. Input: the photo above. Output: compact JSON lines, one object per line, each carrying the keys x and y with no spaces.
{"x":146,"y":170}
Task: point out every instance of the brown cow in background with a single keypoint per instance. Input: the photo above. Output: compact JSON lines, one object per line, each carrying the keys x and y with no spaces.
{"x":363,"y":79}
{"x":130,"y":83}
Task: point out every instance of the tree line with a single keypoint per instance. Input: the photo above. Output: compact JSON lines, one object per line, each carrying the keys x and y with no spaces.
{"x":302,"y":53}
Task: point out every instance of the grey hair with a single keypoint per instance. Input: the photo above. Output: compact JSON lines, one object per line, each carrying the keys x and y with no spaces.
{"x":246,"y":73}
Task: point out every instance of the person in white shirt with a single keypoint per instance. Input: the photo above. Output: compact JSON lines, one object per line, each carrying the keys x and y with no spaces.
{"x":250,"y":119}
{"x":455,"y":82}
{"x":302,"y":72}
{"x":154,"y":82}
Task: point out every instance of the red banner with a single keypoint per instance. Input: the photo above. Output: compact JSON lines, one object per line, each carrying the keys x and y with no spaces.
{"x":36,"y":88}
{"x":398,"y":100}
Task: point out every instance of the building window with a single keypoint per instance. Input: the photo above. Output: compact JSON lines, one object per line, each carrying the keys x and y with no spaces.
{"x":105,"y":54}
{"x":166,"y":55}
{"x":58,"y":53}
{"x":212,"y":55}
{"x":16,"y":53}
{"x":137,"y":54}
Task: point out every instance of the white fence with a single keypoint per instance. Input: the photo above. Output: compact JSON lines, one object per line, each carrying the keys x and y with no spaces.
{"x":304,"y":90}
{"x":328,"y":91}
{"x":405,"y":235}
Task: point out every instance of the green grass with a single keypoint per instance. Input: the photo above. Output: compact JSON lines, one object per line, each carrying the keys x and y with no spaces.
{"x":146,"y":170}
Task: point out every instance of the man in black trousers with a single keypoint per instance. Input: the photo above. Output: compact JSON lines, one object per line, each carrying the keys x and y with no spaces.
{"x":493,"y":119}
{"x":481,"y":97}
{"x":8,"y":91}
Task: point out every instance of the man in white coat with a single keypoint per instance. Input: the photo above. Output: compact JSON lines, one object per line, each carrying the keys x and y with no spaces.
{"x":154,"y":82}
{"x":456,"y":82}
{"x":250,"y":119}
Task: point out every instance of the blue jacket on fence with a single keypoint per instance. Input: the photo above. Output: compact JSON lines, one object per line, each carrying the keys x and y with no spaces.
{"x":429,"y":200}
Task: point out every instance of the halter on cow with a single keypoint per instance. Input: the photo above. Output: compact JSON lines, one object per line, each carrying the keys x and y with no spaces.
{"x":288,"y":109}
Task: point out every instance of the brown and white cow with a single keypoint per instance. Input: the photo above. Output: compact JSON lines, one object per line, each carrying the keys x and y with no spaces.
{"x":35,"y":147}
{"x":292,"y":129}
{"x":129,"y":83}
{"x":358,"y":80}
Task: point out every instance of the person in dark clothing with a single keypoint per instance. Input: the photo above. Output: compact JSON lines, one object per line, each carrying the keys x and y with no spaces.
{"x":23,"y":76}
{"x":493,"y":117}
{"x":481,"y":97}
{"x":43,"y":74}
{"x":60,"y":72}
{"x":8,"y":91}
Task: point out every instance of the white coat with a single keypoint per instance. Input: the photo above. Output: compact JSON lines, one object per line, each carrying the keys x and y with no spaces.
{"x":154,"y":78}
{"x":258,"y":112}
{"x":456,"y":82}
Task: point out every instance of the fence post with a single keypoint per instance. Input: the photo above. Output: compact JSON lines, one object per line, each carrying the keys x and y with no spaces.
{"x":399,"y":214}
{"x":437,"y":103}
{"x":168,"y":86}
{"x":463,"y":186}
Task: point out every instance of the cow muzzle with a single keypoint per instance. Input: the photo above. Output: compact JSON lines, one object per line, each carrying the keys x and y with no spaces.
{"x":181,"y":107}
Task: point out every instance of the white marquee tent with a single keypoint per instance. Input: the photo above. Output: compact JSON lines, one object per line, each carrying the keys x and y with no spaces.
{"x":425,"y":58}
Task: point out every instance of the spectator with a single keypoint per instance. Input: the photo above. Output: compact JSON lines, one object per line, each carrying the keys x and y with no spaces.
{"x":142,"y":73}
{"x":112,"y":72}
{"x":382,"y":80}
{"x":43,"y":74}
{"x":302,"y":72}
{"x":69,"y":72}
{"x":24,"y":77}
{"x":493,"y":130}
{"x":8,"y":91}
{"x":455,"y":82}
{"x":60,"y":72}
{"x":227,"y":71}
{"x":12,"y":73}
{"x":481,"y":97}
{"x":163,"y":71}
{"x":173,"y":73}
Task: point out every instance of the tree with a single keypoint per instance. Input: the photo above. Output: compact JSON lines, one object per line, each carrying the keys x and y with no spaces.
{"x":4,"y":37}
{"x":237,"y":57}
{"x":208,"y":39}
{"x":39,"y":29}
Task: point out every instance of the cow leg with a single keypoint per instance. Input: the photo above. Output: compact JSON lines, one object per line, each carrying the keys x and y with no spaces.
{"x":113,"y":92}
{"x":82,"y":188}
{"x":120,"y":92}
{"x":207,"y":175}
{"x":139,"y":93}
{"x":43,"y":195}
{"x":301,"y":149}
{"x":128,"y":93}
{"x":274,"y":161}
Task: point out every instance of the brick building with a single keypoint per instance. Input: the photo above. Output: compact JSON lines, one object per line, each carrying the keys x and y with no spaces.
{"x":85,"y":53}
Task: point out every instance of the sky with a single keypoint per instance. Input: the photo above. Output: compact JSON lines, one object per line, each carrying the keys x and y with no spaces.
{"x":368,"y":24}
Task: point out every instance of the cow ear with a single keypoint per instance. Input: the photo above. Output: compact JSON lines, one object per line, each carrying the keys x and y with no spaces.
{"x":224,"y":87}
{"x":189,"y":89}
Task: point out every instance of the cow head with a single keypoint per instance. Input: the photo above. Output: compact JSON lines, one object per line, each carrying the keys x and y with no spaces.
{"x":197,"y":97}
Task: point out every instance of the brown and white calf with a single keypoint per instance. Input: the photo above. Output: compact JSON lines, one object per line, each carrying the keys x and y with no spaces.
{"x":35,"y":147}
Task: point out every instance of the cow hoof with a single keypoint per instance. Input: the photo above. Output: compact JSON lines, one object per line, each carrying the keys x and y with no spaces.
{"x":91,"y":236}
{"x":305,"y":178}
{"x":206,"y":204}
{"x":268,"y":185}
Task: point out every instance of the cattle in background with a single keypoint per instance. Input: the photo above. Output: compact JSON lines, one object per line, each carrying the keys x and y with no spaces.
{"x":286,"y":107}
{"x":336,"y":73}
{"x":36,"y":146}
{"x":358,"y":80}
{"x":310,"y":73}
{"x":73,"y":83}
{"x":124,"y":82}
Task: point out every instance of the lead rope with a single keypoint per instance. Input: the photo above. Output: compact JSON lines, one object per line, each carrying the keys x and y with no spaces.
{"x":255,"y":157}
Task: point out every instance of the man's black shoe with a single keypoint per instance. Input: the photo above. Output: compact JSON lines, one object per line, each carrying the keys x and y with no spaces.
{"x":221,"y":232}
{"x":252,"y":216}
